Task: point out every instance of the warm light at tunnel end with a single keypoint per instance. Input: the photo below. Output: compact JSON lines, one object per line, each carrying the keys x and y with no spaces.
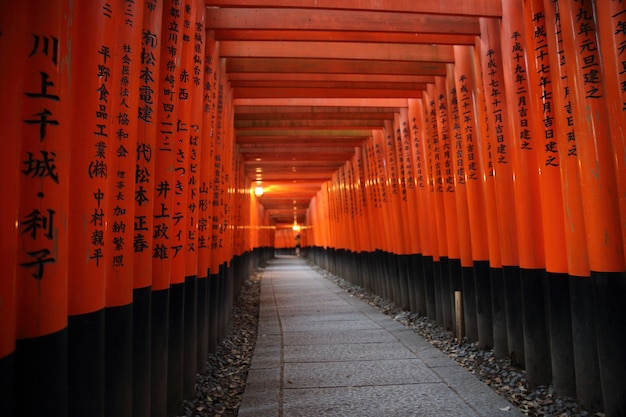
{"x":258,"y":191}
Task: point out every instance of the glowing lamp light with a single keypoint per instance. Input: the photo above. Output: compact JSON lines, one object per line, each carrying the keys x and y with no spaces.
{"x":258,"y":191}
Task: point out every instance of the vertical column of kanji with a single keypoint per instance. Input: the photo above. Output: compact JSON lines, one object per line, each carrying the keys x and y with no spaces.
{"x":599,"y":185}
{"x":522,"y":150}
{"x":611,"y":28}
{"x":91,"y":77}
{"x":477,"y":296}
{"x":501,"y":143}
{"x":463,"y":273}
{"x":540,"y":77}
{"x":144,"y":205}
{"x":360,"y":207}
{"x":433,"y":166}
{"x":125,"y":62}
{"x":42,"y":240}
{"x":424,"y":264}
{"x":453,"y":258}
{"x":403,"y":258}
{"x":13,"y":42}
{"x":167,"y":123}
{"x":587,"y":371}
{"x":410,"y":195}
{"x":205,"y":204}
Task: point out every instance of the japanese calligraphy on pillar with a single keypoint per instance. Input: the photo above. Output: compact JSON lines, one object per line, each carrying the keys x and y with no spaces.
{"x":167,"y":126}
{"x":43,"y":177}
{"x":457,"y":152}
{"x":544,"y":83}
{"x":123,"y":141}
{"x":434,"y":148}
{"x":444,"y":155}
{"x":520,"y":80}
{"x":40,"y":211}
{"x":494,"y":93}
{"x":148,"y":85}
{"x":419,"y":171}
{"x":407,"y":157}
{"x":466,"y":114}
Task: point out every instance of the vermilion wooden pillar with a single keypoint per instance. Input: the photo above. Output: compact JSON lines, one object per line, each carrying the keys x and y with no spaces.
{"x":143,"y":227}
{"x":587,"y":372}
{"x":125,"y":60}
{"x":603,"y":224}
{"x":434,"y":166}
{"x":14,"y":42}
{"x":465,"y":273}
{"x":526,"y":143}
{"x":163,"y":240}
{"x":426,"y":297}
{"x":501,"y":142}
{"x":451,"y":265}
{"x":92,"y":75}
{"x":480,"y":324}
{"x":42,"y":239}
{"x":541,"y":77}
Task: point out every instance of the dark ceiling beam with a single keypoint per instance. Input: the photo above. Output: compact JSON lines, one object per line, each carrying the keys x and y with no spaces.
{"x":449,"y":7}
{"x":341,"y":20}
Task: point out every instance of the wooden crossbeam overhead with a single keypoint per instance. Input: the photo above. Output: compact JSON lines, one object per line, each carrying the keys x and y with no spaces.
{"x":323,"y":19}
{"x":338,"y":50}
{"x":491,"y":8}
{"x":343,"y":36}
{"x":312,"y":80}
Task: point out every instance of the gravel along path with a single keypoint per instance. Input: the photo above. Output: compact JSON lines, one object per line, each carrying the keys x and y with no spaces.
{"x":219,"y":391}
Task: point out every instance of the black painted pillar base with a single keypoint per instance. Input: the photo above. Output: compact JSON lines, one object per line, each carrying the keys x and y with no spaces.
{"x":190,"y":328}
{"x":498,"y":310}
{"x":142,"y":362}
{"x":410,"y":282}
{"x":118,"y":361}
{"x":213,"y":311}
{"x":438,"y":292}
{"x":447,"y":296}
{"x":537,"y":355}
{"x":159,"y":327}
{"x":470,"y":308}
{"x":609,"y":290}
{"x":456,"y":284}
{"x":484,"y":310}
{"x":85,"y":338}
{"x":41,"y":375}
{"x":561,"y":342}
{"x":7,"y":387}
{"x":403,"y":302}
{"x":429,"y":284}
{"x":420,"y":286}
{"x":588,"y":386}
{"x":514,"y":320}
{"x":175,"y":348}
{"x":203,"y":323}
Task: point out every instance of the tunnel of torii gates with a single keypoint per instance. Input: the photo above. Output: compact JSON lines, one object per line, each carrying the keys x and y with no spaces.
{"x":421,"y":148}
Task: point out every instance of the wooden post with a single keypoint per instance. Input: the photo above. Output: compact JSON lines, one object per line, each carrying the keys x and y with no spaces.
{"x":458,"y":308}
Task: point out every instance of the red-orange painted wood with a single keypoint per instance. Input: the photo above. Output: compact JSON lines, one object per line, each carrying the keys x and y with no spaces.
{"x":14,"y":42}
{"x":499,"y":138}
{"x":524,"y":141}
{"x":595,"y":154}
{"x":42,"y":261}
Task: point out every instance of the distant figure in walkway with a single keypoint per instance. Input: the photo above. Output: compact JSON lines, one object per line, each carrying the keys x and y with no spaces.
{"x":298,"y":244}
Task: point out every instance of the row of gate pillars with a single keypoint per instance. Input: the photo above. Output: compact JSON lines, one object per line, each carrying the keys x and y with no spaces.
{"x":558,"y":328}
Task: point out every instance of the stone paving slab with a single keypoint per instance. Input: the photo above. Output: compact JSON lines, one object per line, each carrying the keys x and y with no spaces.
{"x":322,"y":352}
